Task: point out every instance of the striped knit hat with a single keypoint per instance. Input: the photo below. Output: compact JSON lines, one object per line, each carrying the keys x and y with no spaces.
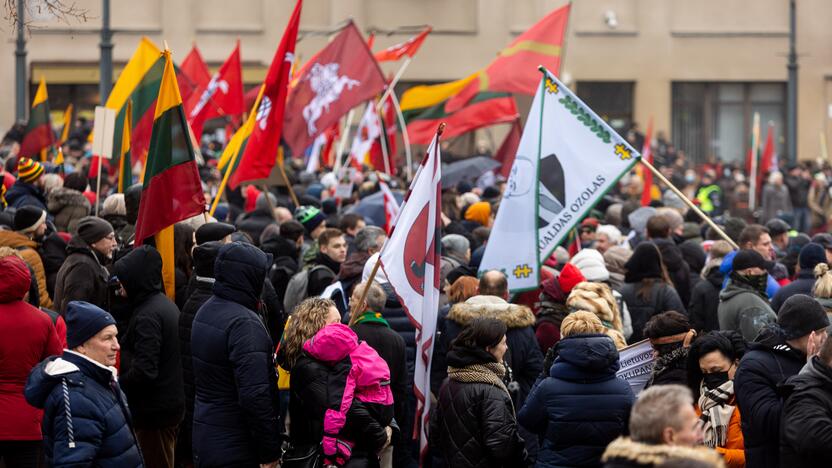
{"x":28,"y":170}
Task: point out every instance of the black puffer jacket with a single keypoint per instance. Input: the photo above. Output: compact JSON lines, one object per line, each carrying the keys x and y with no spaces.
{"x":768,"y":364}
{"x":199,"y":291}
{"x":285,"y":263}
{"x":704,"y":302}
{"x":806,"y":429}
{"x":235,"y":408}
{"x":661,"y":298}
{"x":254,"y":222}
{"x":151,"y":372}
{"x":473,"y":423}
{"x":677,"y":268}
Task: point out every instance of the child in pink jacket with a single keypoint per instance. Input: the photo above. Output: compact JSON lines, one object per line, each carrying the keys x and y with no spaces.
{"x":359,"y":384}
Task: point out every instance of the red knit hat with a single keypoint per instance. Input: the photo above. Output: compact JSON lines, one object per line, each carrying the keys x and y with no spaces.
{"x":570,"y":275}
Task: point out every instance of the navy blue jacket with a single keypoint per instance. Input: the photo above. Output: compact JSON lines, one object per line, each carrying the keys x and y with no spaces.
{"x":764,"y":368}
{"x":235,"y":404}
{"x":24,"y":194}
{"x":581,"y":406}
{"x":803,"y":283}
{"x":95,"y":419}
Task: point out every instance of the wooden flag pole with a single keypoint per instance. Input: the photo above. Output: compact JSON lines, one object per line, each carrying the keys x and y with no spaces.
{"x":395,"y":80}
{"x":689,"y":203}
{"x":755,"y":146}
{"x":224,"y":182}
{"x":383,"y":138}
{"x":289,"y":185}
{"x":344,"y":135}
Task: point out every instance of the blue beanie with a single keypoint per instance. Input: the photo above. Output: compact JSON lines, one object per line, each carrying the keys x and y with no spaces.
{"x":810,"y":255}
{"x":83,"y":321}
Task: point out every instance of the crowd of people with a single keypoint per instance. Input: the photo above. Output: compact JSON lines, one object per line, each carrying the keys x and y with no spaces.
{"x":246,"y":363}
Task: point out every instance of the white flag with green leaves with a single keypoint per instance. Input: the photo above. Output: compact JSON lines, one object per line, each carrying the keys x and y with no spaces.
{"x":568,"y":158}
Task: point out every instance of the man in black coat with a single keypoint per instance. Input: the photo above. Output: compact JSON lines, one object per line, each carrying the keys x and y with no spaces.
{"x":199,"y":291}
{"x":151,"y":372}
{"x":778,"y":353}
{"x":806,"y":434}
{"x":83,"y":275}
{"x":236,"y":404}
{"x":371,"y":326}
{"x":810,"y":255}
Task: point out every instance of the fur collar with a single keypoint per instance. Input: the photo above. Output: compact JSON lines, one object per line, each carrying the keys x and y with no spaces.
{"x":513,"y":315}
{"x":625,"y":448}
{"x":62,"y":197}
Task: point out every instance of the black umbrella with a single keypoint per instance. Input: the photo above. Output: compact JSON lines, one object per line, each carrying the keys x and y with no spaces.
{"x":371,"y":207}
{"x":468,"y":170}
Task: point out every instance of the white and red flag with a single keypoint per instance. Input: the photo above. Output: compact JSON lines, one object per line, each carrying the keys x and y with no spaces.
{"x":408,"y":47}
{"x":391,"y":206}
{"x":410,"y":259}
{"x":222,"y":96}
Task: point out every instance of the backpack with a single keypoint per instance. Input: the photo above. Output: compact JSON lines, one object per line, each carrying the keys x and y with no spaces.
{"x":296,"y":290}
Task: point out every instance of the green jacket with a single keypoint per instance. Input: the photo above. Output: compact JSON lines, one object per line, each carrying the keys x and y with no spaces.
{"x":744,"y":310}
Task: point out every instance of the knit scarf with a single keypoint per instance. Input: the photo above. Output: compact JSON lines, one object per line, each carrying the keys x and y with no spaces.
{"x":669,"y":361}
{"x":716,"y":413}
{"x":371,"y":316}
{"x":491,"y":373}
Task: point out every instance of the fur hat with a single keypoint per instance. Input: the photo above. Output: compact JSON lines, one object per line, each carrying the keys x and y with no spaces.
{"x":598,"y":299}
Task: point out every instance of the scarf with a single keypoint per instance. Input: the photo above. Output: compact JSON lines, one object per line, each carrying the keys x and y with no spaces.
{"x":371,"y":316}
{"x":491,"y":373}
{"x":668,"y":361}
{"x":716,"y":413}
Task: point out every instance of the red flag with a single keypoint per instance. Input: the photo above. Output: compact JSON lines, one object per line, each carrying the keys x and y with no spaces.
{"x":388,"y":132}
{"x":515,"y":68}
{"x":391,"y":206}
{"x":508,"y":150}
{"x":767,"y":160}
{"x":647,"y":155}
{"x":411,"y":261}
{"x":409,"y":47}
{"x":222,"y":96}
{"x":193,"y":76}
{"x":260,"y":154}
{"x":343,"y":75}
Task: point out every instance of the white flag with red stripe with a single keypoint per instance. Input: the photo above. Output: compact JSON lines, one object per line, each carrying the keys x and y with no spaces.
{"x":391,"y":206}
{"x":410,"y":259}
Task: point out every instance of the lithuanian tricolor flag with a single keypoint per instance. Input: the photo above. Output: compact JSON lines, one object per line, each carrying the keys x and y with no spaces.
{"x":39,"y":135}
{"x":424,"y":107}
{"x":125,"y":173}
{"x":139,"y":82}
{"x":172,"y":190}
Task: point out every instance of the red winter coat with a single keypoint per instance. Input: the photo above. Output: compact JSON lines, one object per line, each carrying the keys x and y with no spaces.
{"x":27,"y":337}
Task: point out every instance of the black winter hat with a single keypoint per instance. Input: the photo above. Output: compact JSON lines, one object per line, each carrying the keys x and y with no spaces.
{"x":810,"y":255}
{"x":749,"y":259}
{"x":92,"y":229}
{"x":777,"y":226}
{"x":28,"y":218}
{"x":213,"y":232}
{"x":801,"y":315}
{"x":76,"y":181}
{"x":83,"y":321}
{"x":646,"y":262}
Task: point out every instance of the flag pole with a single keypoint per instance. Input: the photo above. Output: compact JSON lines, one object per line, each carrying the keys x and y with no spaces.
{"x":405,"y":136}
{"x":824,"y":150}
{"x":383,"y":138}
{"x":689,"y":203}
{"x":344,"y":135}
{"x":289,"y":185}
{"x":224,"y":182}
{"x":755,"y":146}
{"x":98,"y":186}
{"x":395,"y":80}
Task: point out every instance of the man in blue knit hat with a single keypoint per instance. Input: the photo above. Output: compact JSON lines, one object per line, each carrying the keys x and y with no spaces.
{"x":85,"y":419}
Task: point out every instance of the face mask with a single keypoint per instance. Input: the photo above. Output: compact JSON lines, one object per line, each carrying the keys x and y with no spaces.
{"x":715,"y":379}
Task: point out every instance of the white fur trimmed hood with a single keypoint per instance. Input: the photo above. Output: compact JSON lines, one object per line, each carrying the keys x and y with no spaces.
{"x":513,"y":315}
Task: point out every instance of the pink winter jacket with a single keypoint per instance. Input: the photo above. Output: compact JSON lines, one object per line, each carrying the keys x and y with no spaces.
{"x":368,"y":381}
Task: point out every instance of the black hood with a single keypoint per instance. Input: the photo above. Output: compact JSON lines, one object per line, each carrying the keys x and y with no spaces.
{"x":140,"y":272}
{"x":240,"y":270}
{"x":280,"y":246}
{"x":772,"y":338}
{"x":205,"y":255}
{"x":461,"y":356}
{"x":132,"y":198}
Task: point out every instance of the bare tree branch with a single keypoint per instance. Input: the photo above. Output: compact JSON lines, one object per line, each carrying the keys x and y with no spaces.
{"x":64,"y":11}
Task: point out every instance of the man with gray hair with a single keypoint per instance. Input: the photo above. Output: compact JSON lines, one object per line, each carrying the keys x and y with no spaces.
{"x":367,"y":241}
{"x":368,"y":322}
{"x":664,"y":425}
{"x":456,"y":251}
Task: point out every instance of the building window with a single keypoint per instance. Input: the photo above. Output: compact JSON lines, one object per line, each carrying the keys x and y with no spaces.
{"x":716,"y":118}
{"x":612,"y":100}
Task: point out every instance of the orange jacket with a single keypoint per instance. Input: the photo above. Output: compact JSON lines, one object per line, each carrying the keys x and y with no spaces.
{"x":734,"y":450}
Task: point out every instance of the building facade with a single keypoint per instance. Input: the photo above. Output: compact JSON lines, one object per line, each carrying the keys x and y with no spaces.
{"x":699,"y":70}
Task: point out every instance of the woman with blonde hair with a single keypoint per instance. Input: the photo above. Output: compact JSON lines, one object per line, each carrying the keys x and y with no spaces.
{"x":579,"y":385}
{"x":822,"y":291}
{"x":318,"y":386}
